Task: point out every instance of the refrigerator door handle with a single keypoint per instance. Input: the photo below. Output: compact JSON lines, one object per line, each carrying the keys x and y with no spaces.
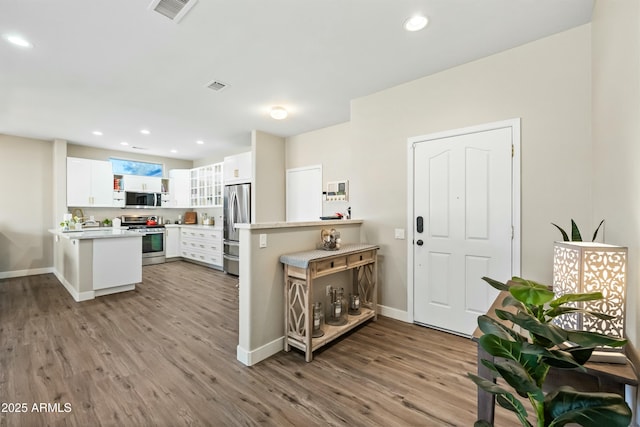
{"x":235,"y":208}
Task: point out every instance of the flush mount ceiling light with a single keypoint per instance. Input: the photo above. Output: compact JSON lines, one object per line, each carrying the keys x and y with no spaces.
{"x":416,"y":23}
{"x":17,"y":40}
{"x":97,"y":133}
{"x":278,"y":113}
{"x":145,"y":131}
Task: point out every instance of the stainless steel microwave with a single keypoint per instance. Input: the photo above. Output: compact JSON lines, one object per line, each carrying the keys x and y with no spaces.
{"x":134,"y":199}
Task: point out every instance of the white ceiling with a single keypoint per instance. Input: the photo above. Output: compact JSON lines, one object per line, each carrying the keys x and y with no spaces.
{"x":118,"y":67}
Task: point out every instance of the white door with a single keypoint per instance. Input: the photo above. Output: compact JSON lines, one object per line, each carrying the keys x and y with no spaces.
{"x":462,"y":226}
{"x":304,"y":194}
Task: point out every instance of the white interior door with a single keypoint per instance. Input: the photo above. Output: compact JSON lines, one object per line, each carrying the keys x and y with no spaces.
{"x":304,"y":194}
{"x":462,"y":226}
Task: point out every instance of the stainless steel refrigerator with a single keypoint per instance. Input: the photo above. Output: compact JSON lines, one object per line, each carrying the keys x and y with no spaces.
{"x":237,"y":210}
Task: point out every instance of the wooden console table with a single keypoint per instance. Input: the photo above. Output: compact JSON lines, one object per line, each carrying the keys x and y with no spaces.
{"x":302,"y":268}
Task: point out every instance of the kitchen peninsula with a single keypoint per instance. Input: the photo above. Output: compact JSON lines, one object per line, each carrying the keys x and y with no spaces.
{"x":93,"y":263}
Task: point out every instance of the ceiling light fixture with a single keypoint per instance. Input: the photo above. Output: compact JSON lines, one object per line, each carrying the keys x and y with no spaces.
{"x":416,"y":23}
{"x":145,"y":132}
{"x":97,"y":133}
{"x":279,"y":113}
{"x":199,"y":142}
{"x":174,"y":151}
{"x":18,"y":40}
{"x":124,"y":143}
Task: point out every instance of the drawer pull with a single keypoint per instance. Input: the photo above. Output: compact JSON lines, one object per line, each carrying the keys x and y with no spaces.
{"x":331,"y":264}
{"x":360,"y":257}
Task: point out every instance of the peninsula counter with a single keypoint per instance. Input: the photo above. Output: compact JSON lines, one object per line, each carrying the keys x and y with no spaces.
{"x":93,"y":263}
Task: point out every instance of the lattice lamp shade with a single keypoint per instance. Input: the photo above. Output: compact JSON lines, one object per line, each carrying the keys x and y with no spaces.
{"x":581,"y":267}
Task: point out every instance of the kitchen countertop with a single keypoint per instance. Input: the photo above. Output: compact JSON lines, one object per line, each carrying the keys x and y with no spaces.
{"x":206,"y":227}
{"x":97,"y":233}
{"x":326,"y":223}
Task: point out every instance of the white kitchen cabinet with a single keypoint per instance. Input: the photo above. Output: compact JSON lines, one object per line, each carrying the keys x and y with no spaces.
{"x":206,"y":186}
{"x":238,"y":168}
{"x":172,"y":248}
{"x":89,"y":183}
{"x":147,"y":184}
{"x":179,"y":188}
{"x":201,"y":244}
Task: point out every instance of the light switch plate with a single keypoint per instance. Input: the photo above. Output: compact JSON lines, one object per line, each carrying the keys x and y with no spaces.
{"x":399,"y":233}
{"x":263,"y":240}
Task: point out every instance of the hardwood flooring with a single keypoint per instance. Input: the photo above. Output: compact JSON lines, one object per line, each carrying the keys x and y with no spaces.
{"x":165,"y":355}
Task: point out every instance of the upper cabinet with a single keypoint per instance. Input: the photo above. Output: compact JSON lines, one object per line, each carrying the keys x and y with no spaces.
{"x":179,"y":188}
{"x":89,"y":183}
{"x":147,"y":184}
{"x":238,"y":168}
{"x":206,"y":186}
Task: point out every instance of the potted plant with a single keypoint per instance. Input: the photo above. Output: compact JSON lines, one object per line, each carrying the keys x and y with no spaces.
{"x":525,"y":352}
{"x":575,"y":233}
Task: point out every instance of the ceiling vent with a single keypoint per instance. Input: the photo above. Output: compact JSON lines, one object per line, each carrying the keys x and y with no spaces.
{"x":216,"y":85}
{"x":138,"y":148}
{"x":172,"y":9}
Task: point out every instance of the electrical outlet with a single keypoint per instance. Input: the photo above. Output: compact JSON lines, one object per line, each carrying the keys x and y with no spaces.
{"x":399,"y":233}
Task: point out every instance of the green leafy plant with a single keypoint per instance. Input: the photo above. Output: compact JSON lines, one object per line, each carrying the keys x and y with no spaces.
{"x":525,"y":352}
{"x":575,"y":233}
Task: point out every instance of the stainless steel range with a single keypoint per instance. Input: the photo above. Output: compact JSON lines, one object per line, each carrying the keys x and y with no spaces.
{"x":153,"y":237}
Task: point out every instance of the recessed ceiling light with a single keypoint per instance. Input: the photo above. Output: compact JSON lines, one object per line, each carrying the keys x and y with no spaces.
{"x":174,"y":151}
{"x":17,"y":40}
{"x":124,"y":143}
{"x":97,"y":133}
{"x":279,"y":113}
{"x":416,"y":23}
{"x":145,"y":132}
{"x":199,"y":142}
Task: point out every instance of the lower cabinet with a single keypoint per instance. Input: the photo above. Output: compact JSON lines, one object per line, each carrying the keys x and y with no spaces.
{"x":201,"y":244}
{"x":172,"y":246}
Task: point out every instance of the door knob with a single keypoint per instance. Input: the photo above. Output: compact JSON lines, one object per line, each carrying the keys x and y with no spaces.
{"x":419,"y":243}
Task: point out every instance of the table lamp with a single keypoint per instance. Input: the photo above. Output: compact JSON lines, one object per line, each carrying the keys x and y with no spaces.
{"x":583,"y":267}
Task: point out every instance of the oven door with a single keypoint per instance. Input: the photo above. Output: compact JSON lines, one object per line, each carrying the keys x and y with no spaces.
{"x":153,"y":247}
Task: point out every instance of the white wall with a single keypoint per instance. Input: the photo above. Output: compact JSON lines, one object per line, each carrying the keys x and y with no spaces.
{"x":268,"y":177}
{"x":547,"y":83}
{"x":616,"y":135}
{"x":26,"y":206}
{"x":331,"y":147}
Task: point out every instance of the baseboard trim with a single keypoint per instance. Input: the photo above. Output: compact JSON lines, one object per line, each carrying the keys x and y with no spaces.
{"x":23,"y":273}
{"x":251,"y":357}
{"x":77,"y":296}
{"x":393,"y":313}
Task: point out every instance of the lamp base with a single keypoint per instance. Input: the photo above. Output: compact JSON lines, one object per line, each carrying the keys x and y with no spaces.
{"x":608,"y":357}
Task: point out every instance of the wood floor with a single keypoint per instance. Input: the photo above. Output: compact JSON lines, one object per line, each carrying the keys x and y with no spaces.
{"x":165,"y":355}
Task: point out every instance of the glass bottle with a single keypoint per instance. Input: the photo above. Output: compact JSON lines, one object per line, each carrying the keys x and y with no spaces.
{"x":354,"y":304}
{"x":318,"y":320}
{"x":338,"y":310}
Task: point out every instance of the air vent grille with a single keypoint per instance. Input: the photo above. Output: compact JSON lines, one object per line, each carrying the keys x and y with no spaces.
{"x":217,"y":85}
{"x":138,"y":148}
{"x":172,"y":9}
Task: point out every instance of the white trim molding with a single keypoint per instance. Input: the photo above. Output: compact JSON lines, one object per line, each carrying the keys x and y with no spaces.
{"x":252,"y":357}
{"x":23,"y":273}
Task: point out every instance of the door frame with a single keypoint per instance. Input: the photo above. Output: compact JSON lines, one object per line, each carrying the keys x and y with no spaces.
{"x":514,"y":124}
